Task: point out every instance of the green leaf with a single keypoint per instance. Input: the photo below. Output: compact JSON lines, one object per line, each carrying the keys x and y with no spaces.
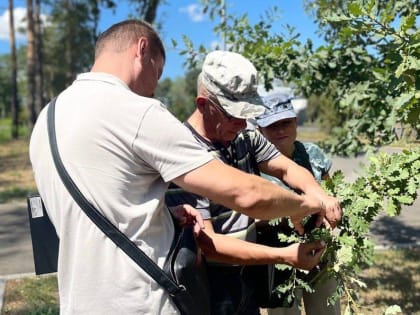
{"x":304,"y":285}
{"x":355,"y":9}
{"x":283,"y":267}
{"x":284,"y":287}
{"x":402,"y":99}
{"x":391,"y":208}
{"x":408,"y":22}
{"x":393,"y":310}
{"x":405,"y":200}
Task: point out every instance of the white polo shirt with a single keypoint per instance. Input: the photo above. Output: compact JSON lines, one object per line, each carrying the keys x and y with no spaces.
{"x":121,"y":150}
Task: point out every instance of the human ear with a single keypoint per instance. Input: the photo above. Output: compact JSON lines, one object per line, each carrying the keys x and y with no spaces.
{"x":200,"y":102}
{"x":142,"y":46}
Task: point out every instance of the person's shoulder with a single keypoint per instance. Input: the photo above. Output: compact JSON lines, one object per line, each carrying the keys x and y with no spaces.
{"x":317,"y":155}
{"x":147,"y":103}
{"x":311,"y":147}
{"x":314,"y":150}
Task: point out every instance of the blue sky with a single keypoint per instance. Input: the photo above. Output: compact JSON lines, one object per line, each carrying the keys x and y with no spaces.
{"x":183,"y":17}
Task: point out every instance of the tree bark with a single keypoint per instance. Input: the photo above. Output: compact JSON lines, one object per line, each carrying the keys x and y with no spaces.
{"x":30,"y":57}
{"x":147,"y":9}
{"x":39,"y":60}
{"x":15,"y":100}
{"x":150,"y":10}
{"x":68,"y":55}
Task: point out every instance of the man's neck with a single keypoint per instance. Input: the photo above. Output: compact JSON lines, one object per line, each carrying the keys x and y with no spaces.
{"x":196,"y":121}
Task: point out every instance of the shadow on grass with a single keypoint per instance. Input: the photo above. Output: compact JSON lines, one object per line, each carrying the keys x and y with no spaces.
{"x":396,"y":280}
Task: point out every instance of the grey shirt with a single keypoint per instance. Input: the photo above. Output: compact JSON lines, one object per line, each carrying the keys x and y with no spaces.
{"x":247,"y":150}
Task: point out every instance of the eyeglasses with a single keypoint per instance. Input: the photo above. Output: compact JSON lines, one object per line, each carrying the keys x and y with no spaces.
{"x":221,"y":109}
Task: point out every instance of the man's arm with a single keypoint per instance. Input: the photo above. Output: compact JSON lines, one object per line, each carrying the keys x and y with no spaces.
{"x":248,"y":194}
{"x":300,"y":178}
{"x":229,"y":250}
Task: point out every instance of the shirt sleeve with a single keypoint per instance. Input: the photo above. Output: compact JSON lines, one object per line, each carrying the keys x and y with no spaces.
{"x":166,"y":145}
{"x":263,"y":149}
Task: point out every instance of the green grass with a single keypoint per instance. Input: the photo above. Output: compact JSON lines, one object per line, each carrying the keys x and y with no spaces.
{"x":31,"y":296}
{"x":16,"y":178}
{"x":393,"y":279}
{"x":6,"y":130}
{"x":15,"y":193}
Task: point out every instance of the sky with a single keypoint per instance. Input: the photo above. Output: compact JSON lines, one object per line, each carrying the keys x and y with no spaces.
{"x":183,"y":17}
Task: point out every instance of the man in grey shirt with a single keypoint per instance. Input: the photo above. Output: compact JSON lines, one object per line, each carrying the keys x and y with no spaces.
{"x":226,"y":98}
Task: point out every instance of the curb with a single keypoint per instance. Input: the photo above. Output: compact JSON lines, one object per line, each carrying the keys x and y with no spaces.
{"x":17,"y":276}
{"x":398,"y":246}
{"x":2,"y":287}
{"x":5,"y":278}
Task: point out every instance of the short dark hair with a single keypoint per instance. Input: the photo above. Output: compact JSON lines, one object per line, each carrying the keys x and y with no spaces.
{"x":125,"y":33}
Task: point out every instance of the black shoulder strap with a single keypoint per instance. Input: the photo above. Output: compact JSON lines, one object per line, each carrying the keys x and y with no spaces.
{"x":119,"y":238}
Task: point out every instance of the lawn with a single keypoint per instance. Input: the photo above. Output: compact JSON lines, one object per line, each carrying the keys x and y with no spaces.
{"x":393,"y":279}
{"x":16,"y":178}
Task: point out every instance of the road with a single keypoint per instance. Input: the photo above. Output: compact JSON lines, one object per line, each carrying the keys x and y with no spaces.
{"x":16,"y":249}
{"x":403,"y":230}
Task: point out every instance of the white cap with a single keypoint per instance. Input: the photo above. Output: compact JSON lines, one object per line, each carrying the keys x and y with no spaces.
{"x":232,"y":79}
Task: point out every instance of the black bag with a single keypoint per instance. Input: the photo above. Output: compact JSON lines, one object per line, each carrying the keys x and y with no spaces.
{"x":184,"y":279}
{"x":44,"y":237}
{"x":183,"y":266}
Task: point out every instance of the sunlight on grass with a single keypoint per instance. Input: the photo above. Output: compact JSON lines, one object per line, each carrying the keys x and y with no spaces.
{"x":16,"y":178}
{"x":393,"y":279}
{"x":32,"y":296}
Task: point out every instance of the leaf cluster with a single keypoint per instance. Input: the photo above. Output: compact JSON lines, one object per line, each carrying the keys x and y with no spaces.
{"x":369,"y":66}
{"x":388,"y":183}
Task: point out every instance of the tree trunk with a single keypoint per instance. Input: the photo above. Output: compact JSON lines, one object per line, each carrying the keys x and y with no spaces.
{"x":15,"y":100}
{"x":31,"y":64}
{"x":150,"y":11}
{"x":39,"y":60}
{"x":147,"y":9}
{"x":68,"y":56}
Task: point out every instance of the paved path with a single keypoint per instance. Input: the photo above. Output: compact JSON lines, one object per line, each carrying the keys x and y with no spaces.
{"x":15,"y":242}
{"x":400,"y":231}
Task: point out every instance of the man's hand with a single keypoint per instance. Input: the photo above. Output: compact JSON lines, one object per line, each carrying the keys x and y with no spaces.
{"x":305,"y":255}
{"x":333,"y":211}
{"x":314,"y":206}
{"x":329,"y":212}
{"x":188,"y":216}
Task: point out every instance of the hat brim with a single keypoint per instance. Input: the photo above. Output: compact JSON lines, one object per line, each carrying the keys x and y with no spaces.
{"x":248,"y":108}
{"x":271,"y":119}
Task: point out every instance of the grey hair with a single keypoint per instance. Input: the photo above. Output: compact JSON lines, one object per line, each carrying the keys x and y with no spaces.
{"x":201,"y":87}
